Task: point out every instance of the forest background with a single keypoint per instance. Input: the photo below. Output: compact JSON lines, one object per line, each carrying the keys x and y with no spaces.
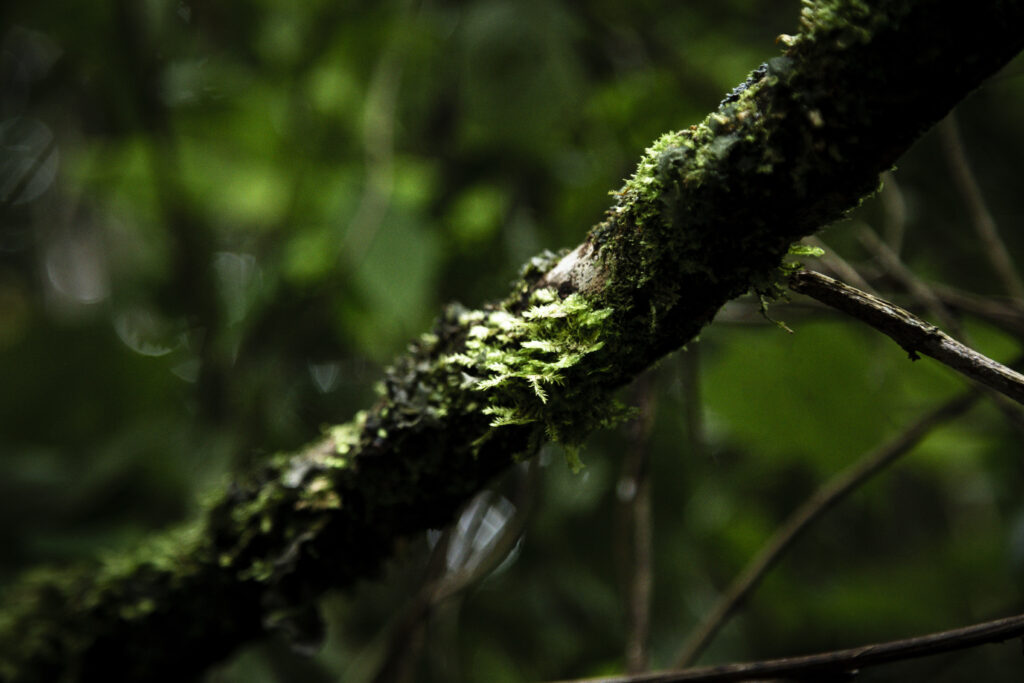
{"x":220,"y":224}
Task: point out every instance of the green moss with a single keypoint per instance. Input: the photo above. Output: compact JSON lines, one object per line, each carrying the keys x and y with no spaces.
{"x":537,"y":266}
{"x":258,"y":570}
{"x":645,"y":183}
{"x":515,"y":360}
{"x":669,"y":220}
{"x":346,"y":436}
{"x":319,"y":494}
{"x":843,"y":22}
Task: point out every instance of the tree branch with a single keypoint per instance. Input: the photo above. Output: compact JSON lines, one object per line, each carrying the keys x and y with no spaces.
{"x":829,"y":666}
{"x":910,"y":332}
{"x":827,"y":496}
{"x":984,"y":224}
{"x":636,"y":528}
{"x":710,"y":212}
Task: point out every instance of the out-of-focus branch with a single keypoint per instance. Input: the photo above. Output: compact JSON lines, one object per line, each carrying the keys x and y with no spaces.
{"x":1004,"y":314}
{"x":833,"y":666}
{"x":444,"y":582}
{"x":378,"y":144}
{"x":984,"y":224}
{"x":839,"y":266}
{"x":693,"y":406}
{"x":895,"y":267}
{"x":28,"y":174}
{"x":636,"y":545}
{"x":910,"y":332}
{"x":929,"y":299}
{"x":895,"y":207}
{"x":820,"y":502}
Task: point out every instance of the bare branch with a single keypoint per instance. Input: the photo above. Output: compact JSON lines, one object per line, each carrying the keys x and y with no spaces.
{"x":1007,"y":315}
{"x":634,"y":493}
{"x":836,"y":264}
{"x":443,"y":582}
{"x":820,"y":502}
{"x":910,"y":332}
{"x":984,"y":224}
{"x":895,"y":267}
{"x":928,"y":297}
{"x":895,"y":207}
{"x":821,"y":666}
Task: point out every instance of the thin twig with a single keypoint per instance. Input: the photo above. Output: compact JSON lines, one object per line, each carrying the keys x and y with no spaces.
{"x":637,"y":544}
{"x":44,"y":155}
{"x":822,"y":500}
{"x":920,"y":290}
{"x":828,"y":665}
{"x":910,"y":332}
{"x":1005,"y":314}
{"x":693,"y":406}
{"x":927,"y":296}
{"x":379,"y":120}
{"x":441,"y":583}
{"x":895,"y":208}
{"x":995,"y":249}
{"x":838,"y":265}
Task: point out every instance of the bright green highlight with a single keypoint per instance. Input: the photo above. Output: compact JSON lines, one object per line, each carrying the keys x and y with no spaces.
{"x":515,"y":359}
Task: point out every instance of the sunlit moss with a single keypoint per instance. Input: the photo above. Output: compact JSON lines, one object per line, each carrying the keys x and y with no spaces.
{"x":515,"y":360}
{"x":346,"y":436}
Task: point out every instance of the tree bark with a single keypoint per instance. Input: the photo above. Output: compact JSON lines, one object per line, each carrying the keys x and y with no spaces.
{"x":708,"y":215}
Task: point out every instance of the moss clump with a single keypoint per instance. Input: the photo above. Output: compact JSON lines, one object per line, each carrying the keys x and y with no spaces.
{"x":845,"y":22}
{"x":645,"y":183}
{"x":513,"y":360}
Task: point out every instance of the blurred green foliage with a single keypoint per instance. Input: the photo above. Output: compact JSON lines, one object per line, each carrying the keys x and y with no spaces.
{"x":219,"y":220}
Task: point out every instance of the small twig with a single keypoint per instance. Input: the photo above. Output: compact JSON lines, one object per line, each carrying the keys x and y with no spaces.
{"x":29,"y":175}
{"x":995,"y":249}
{"x":838,"y":265}
{"x":379,"y":121}
{"x":407,"y":634}
{"x":895,"y":208}
{"x":928,"y":297}
{"x":637,"y":544}
{"x":895,"y":267}
{"x":821,"y":666}
{"x":822,"y":500}
{"x":910,"y":332}
{"x":1006,"y":314}
{"x":693,"y":406}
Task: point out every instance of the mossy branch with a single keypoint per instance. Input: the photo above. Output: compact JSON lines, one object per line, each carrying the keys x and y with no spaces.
{"x":709,"y":213}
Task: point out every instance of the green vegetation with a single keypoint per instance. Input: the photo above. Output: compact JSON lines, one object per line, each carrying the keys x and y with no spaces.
{"x":514,"y":360}
{"x":251,"y":211}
